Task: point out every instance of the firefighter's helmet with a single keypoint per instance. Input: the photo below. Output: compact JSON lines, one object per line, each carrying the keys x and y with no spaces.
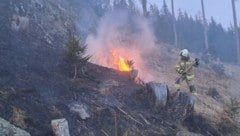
{"x":184,"y":53}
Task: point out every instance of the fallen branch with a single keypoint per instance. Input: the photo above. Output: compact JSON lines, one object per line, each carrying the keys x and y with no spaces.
{"x":169,"y":125}
{"x":105,"y":133}
{"x":144,"y":119}
{"x":124,"y":112}
{"x":139,"y":81}
{"x":142,"y":82}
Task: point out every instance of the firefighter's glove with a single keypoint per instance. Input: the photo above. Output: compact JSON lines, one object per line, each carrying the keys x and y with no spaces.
{"x":196,"y":61}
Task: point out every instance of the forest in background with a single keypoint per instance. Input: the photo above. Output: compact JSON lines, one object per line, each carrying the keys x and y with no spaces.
{"x":190,"y":29}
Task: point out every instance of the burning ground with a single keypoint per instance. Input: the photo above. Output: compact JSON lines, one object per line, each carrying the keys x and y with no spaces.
{"x":126,"y":38}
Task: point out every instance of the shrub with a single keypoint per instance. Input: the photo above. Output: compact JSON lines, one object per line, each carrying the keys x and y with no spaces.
{"x":75,"y":54}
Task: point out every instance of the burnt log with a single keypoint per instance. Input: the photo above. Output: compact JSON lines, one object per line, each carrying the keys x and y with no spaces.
{"x":158,"y":94}
{"x":133,"y":74}
{"x":186,"y":101}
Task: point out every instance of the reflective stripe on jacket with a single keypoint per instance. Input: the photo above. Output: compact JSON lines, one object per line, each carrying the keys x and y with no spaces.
{"x":182,"y":66}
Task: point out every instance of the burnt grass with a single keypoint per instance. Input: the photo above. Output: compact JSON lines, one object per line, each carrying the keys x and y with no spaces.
{"x":44,"y":95}
{"x":197,"y":124}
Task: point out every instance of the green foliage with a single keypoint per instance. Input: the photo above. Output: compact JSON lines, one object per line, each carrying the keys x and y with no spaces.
{"x":72,"y":48}
{"x":75,"y":54}
{"x":234,"y":107}
{"x":190,"y":32}
{"x":162,"y":28}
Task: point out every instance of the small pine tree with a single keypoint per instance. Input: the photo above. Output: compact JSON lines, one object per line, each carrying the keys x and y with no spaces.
{"x":234,"y":107}
{"x":75,"y":54}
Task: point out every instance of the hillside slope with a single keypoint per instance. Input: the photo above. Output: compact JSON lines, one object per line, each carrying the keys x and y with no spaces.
{"x":36,"y":85}
{"x":216,"y":83}
{"x":108,"y":95}
{"x":32,"y":98}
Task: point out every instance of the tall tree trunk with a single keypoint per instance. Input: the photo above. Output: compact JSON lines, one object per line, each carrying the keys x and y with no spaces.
{"x":174,"y":26}
{"x":236,"y":31}
{"x":144,"y":7}
{"x":75,"y":71}
{"x":205,"y":27}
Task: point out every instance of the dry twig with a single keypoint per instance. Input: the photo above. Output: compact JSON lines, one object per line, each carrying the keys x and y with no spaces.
{"x":144,"y":119}
{"x":105,"y":133}
{"x":124,"y":112}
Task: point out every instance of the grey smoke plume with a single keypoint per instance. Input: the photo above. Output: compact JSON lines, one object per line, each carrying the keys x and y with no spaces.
{"x":131,"y":36}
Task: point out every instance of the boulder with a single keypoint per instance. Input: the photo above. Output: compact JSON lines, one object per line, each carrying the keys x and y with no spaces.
{"x":19,"y":22}
{"x":60,"y":127}
{"x":158,"y":94}
{"x":7,"y":129}
{"x":80,"y":109}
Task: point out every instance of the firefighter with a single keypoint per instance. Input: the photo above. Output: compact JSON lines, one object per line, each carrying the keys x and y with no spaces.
{"x":184,"y":68}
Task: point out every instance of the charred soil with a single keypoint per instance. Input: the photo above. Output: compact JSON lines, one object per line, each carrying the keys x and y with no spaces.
{"x":116,"y":105}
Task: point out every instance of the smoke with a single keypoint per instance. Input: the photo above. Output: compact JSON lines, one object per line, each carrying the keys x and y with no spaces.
{"x":130,"y":35}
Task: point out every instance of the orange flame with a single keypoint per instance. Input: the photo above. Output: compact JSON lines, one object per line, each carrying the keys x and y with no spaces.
{"x":120,"y":62}
{"x":122,"y":65}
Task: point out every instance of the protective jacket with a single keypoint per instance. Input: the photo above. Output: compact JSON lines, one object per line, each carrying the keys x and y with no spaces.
{"x":183,"y":65}
{"x":184,"y":68}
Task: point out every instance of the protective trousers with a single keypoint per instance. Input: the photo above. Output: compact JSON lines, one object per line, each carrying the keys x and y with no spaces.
{"x":189,"y":84}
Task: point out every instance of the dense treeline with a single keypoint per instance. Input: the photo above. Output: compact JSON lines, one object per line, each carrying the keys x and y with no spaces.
{"x":190,"y":30}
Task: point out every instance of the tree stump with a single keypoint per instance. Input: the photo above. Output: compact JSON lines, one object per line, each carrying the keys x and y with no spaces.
{"x":158,"y":95}
{"x":60,"y":127}
{"x":187,"y":101}
{"x":133,"y":74}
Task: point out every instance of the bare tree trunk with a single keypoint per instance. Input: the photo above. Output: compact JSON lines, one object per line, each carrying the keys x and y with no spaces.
{"x":205,"y":28}
{"x":236,"y":31}
{"x":75,"y":71}
{"x":174,"y":26}
{"x":144,"y":7}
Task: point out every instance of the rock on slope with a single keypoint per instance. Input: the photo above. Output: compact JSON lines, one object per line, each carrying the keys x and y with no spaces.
{"x":6,"y":129}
